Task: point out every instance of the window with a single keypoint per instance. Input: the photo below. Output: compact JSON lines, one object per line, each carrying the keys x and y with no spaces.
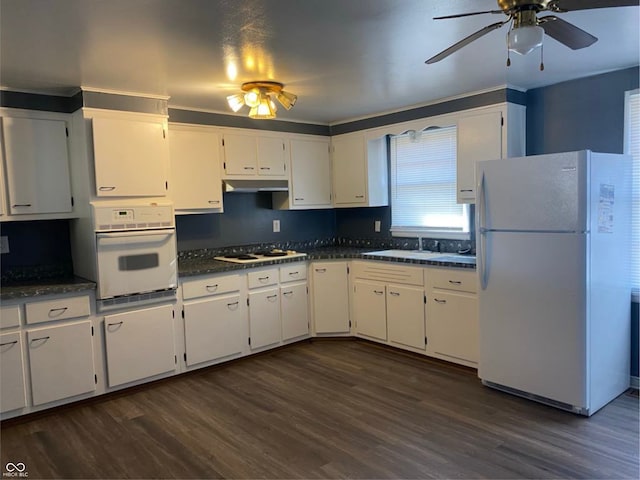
{"x":632,"y":147}
{"x":423,"y":186}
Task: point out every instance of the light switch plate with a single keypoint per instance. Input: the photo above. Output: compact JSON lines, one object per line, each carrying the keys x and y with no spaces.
{"x":276,"y":226}
{"x":377,"y":225}
{"x":4,"y":244}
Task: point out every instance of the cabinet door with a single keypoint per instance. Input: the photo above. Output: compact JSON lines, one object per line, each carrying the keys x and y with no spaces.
{"x":131,"y":157}
{"x":294,"y":310}
{"x":213,"y":328}
{"x":240,"y":154}
{"x":12,"y":392}
{"x":349,"y":170}
{"x":271,"y":156}
{"x":330,"y":297}
{"x":452,"y":325}
{"x":479,"y":137}
{"x":264,"y":317}
{"x":37,"y":163}
{"x":61,"y":361}
{"x":195,"y":168}
{"x":139,"y":344}
{"x":369,"y":309}
{"x":405,"y":315}
{"x":310,"y":172}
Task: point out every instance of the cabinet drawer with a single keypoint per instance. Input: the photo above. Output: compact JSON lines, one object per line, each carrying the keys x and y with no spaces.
{"x":210,"y":286}
{"x":452,"y":279}
{"x":10,"y":316}
{"x":387,"y":272}
{"x":263,"y":278}
{"x":290,"y":273}
{"x":59,"y":309}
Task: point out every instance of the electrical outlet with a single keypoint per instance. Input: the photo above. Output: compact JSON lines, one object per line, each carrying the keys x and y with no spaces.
{"x":377,"y":226}
{"x":4,"y":244}
{"x":276,"y":226}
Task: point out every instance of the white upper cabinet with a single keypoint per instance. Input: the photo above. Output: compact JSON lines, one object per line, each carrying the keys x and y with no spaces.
{"x":251,"y":154}
{"x":36,"y":157}
{"x":360,"y":175}
{"x":195,"y":185}
{"x":487,"y":134}
{"x":310,"y":175}
{"x":131,"y":155}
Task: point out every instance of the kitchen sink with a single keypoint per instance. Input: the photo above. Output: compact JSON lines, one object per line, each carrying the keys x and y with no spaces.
{"x":415,"y":254}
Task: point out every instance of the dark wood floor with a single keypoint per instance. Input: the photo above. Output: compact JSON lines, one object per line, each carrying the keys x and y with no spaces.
{"x":325,"y":409}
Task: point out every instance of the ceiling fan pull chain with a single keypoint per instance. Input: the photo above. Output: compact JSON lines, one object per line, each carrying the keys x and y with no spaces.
{"x":508,"y":51}
{"x":541,"y":58}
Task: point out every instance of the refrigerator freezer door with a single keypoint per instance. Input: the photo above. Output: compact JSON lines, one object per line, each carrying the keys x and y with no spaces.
{"x":537,"y":193}
{"x":532,"y":315}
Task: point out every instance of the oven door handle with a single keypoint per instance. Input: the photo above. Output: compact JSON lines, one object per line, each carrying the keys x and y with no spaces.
{"x":129,"y":238}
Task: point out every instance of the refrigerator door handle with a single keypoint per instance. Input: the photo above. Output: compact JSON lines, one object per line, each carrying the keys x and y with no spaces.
{"x":482,"y":232}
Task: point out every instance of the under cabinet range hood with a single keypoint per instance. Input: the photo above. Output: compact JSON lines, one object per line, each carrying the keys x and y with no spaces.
{"x":256,"y":185}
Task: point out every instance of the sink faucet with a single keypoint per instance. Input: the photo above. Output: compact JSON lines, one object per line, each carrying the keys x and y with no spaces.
{"x":419,"y":243}
{"x":436,"y":246}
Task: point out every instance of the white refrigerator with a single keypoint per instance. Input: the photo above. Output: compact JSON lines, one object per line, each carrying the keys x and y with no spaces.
{"x":553,"y":239}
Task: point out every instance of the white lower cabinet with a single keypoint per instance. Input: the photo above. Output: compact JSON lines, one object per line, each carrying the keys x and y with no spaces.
{"x":214,"y":328}
{"x":12,"y":386}
{"x":406,"y":313}
{"x":139,"y":344}
{"x":294,"y":310}
{"x":264,"y":317}
{"x":330,"y":297}
{"x":60,"y":361}
{"x":369,"y":311}
{"x":452,"y":315}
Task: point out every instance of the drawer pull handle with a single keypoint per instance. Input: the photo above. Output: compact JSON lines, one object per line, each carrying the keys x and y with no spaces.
{"x":290,"y":292}
{"x":466,"y":190}
{"x":9,"y":343}
{"x":272,"y":297}
{"x":359,"y":196}
{"x":455,"y":282}
{"x":114,"y":324}
{"x":263,"y":279}
{"x":441,"y":302}
{"x":395,"y":294}
{"x":248,"y":168}
{"x":234,"y":304}
{"x":55,"y":312}
{"x":294,"y":273}
{"x":265,"y":168}
{"x":214,"y":201}
{"x":212,"y":288}
{"x":107,"y":189}
{"x":299,"y":198}
{"x":378,"y":292}
{"x":21,"y":205}
{"x":321,"y":270}
{"x":40,"y":338}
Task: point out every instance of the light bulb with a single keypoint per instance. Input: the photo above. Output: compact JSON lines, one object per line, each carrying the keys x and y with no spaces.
{"x":524,"y":39}
{"x":236,"y":102}
{"x":252,"y":98}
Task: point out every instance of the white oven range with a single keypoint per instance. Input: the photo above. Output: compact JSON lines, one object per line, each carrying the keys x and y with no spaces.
{"x":136,"y":259}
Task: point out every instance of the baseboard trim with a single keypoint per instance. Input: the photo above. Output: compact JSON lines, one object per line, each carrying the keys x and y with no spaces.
{"x":634,"y":382}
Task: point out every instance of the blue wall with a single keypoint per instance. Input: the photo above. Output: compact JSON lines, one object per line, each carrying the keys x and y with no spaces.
{"x":583,"y":114}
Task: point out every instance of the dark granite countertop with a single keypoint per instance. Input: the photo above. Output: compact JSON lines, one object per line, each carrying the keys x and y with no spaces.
{"x":203,"y":265}
{"x":50,"y":286}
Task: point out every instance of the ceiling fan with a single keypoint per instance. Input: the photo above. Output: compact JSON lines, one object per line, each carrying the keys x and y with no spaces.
{"x":527,"y":29}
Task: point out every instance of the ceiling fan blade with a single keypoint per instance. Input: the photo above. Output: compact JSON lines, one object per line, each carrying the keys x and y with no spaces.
{"x":468,"y":14}
{"x":465,"y":41}
{"x":566,"y":33}
{"x":570,"y":5}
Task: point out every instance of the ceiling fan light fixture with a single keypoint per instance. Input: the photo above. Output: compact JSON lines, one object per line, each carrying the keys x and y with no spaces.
{"x":259,"y":97}
{"x":525,"y":39}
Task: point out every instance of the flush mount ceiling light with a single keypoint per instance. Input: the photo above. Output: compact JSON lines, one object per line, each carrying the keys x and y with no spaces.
{"x":259,"y":97}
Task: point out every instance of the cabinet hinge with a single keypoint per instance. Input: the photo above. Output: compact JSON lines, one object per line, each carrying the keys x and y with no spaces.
{"x":425,"y":299}
{"x":166,"y":185}
{"x":223,"y":142}
{"x":502,"y":121}
{"x":92,"y":331}
{"x":185,"y":356}
{"x":224,"y":165}
{"x":164,"y":133}
{"x":426,"y":340}
{"x":66,"y":131}
{"x":285,"y":167}
{"x":348,"y":270}
{"x":72,"y":203}
{"x":95,"y":378}
{"x":247,"y":301}
{"x":183,"y":313}
{"x":283,"y":146}
{"x":175,"y":359}
{"x":173,"y":314}
{"x":249,"y":340}
{"x":307,"y":290}
{"x":349,"y":323}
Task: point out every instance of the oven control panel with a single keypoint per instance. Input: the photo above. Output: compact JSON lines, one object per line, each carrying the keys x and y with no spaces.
{"x":110,"y":216}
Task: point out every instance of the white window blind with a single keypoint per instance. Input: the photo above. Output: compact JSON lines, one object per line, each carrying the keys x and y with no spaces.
{"x":423,"y":185}
{"x":632,"y":147}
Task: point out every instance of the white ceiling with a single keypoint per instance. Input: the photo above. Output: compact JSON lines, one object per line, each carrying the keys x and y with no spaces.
{"x":345,"y":59}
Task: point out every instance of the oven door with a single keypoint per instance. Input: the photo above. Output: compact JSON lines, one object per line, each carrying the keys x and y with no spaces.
{"x":136,"y":262}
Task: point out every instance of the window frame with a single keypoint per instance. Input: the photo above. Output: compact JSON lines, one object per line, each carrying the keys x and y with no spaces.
{"x":635,"y":195}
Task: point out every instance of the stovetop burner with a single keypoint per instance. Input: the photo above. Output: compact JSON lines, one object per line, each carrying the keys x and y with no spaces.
{"x":262,"y":255}
{"x":241,"y":256}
